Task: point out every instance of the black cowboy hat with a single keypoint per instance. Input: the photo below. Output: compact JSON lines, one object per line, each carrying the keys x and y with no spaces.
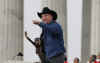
{"x":46,"y":10}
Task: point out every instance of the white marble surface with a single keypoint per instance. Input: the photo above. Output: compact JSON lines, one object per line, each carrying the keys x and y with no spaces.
{"x":11,"y":28}
{"x":31,"y":7}
{"x":12,"y":61}
{"x":95,"y":27}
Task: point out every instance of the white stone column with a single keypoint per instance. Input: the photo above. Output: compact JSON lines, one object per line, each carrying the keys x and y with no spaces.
{"x":11,"y":29}
{"x":95,"y":27}
{"x":86,"y":31}
{"x":60,"y":7}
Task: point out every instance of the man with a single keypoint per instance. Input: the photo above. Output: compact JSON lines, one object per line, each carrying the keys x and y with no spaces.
{"x":76,"y":60}
{"x":92,"y":59}
{"x":52,"y":36}
{"x":98,"y":59}
{"x":65,"y":60}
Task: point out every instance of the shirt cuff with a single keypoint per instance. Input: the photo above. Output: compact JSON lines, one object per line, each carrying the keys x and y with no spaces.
{"x":42,"y":24}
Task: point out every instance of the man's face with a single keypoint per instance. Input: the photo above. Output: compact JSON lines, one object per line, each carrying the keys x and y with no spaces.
{"x":90,"y":59}
{"x":76,"y":61}
{"x":47,"y":18}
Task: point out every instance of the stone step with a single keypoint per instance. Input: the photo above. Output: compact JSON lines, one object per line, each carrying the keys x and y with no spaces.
{"x":16,"y":61}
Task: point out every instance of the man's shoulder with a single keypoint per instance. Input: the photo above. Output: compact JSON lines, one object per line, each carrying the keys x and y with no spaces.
{"x":56,"y":24}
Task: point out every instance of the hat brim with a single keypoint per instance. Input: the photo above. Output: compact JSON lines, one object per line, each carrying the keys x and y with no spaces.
{"x":39,"y":14}
{"x":54,"y":14}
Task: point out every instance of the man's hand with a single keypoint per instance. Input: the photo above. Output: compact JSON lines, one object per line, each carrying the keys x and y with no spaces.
{"x":35,"y":22}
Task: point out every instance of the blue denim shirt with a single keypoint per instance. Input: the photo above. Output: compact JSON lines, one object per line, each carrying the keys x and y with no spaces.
{"x":53,"y":39}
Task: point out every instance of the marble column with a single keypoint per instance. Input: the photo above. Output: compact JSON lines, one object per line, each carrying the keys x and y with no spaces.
{"x":91,"y":29}
{"x":11,"y":29}
{"x":86,"y":31}
{"x":95,"y":27}
{"x":60,"y":7}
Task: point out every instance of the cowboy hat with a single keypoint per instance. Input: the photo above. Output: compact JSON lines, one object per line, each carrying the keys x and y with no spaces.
{"x":46,"y":10}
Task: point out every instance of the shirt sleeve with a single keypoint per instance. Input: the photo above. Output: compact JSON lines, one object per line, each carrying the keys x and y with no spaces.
{"x":42,"y":24}
{"x":55,"y":29}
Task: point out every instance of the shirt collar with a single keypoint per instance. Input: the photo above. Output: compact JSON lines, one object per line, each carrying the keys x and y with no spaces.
{"x":52,"y":21}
